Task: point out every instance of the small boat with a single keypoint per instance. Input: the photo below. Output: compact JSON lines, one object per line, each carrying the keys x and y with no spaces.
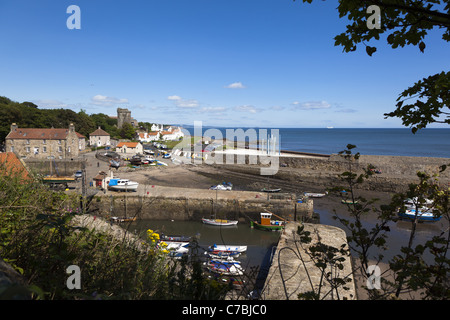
{"x":225,"y":267}
{"x":227,"y":186}
{"x":415,"y":201}
{"x":237,"y":248}
{"x":217,"y":254}
{"x":220,"y":222}
{"x":348,"y":201}
{"x":124,"y":219}
{"x":268,"y":224}
{"x":114,"y":163}
{"x":123,"y":185}
{"x":271,"y":190}
{"x":177,"y":239}
{"x":422,"y":215}
{"x":149,"y":151}
{"x":315,"y":194}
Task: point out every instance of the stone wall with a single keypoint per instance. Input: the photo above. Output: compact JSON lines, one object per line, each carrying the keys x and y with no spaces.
{"x":184,"y":208}
{"x":61,"y":167}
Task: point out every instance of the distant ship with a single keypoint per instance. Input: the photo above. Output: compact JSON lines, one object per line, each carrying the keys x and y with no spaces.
{"x":330,"y":127}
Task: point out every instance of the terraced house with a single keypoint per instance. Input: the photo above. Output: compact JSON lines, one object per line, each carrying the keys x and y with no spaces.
{"x":39,"y":143}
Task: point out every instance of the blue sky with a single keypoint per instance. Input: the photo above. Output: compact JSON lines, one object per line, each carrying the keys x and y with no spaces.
{"x":232,"y":63}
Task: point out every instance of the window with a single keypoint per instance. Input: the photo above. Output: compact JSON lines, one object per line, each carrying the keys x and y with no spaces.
{"x":36,"y":150}
{"x":44,"y":149}
{"x":28,"y":149}
{"x":28,"y":141}
{"x":68,"y":149}
{"x":59,"y":141}
{"x":59,"y":149}
{"x":12,"y":148}
{"x":44,"y":141}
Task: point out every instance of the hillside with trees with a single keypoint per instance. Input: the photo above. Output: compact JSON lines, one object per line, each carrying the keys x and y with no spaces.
{"x":28,"y":115}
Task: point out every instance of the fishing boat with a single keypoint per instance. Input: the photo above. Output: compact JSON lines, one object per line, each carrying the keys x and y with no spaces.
{"x":123,"y":185}
{"x":423,"y":214}
{"x":217,"y":254}
{"x":237,"y":248}
{"x":315,"y":194}
{"x":267,"y":223}
{"x":219,"y":222}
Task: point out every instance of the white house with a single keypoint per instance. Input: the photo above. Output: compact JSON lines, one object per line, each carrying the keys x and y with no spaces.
{"x":172,"y":134}
{"x":149,"y":136}
{"x":157,"y":127}
{"x":130,"y":147}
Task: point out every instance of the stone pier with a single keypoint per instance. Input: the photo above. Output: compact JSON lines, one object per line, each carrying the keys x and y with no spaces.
{"x":170,"y":203}
{"x":293,"y":272}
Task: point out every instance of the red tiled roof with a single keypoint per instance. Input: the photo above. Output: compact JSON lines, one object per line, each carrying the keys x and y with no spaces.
{"x":128,"y":144}
{"x":99,"y":132}
{"x":40,"y":133}
{"x":9,"y":163}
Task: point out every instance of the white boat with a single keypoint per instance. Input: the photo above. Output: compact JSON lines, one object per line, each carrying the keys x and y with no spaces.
{"x":216,"y":247}
{"x":225,"y":267}
{"x":415,"y":200}
{"x":219,"y":222}
{"x":315,"y":194}
{"x":123,"y":185}
{"x":424,"y":214}
{"x":224,"y":186}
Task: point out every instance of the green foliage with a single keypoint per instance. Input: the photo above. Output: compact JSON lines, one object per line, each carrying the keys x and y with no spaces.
{"x":412,"y":272}
{"x":28,"y":115}
{"x":39,"y":238}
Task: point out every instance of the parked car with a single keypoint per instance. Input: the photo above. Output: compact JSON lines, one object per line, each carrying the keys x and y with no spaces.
{"x":78,"y":174}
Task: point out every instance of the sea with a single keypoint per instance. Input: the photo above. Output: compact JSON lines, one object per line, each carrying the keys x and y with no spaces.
{"x":429,"y":142}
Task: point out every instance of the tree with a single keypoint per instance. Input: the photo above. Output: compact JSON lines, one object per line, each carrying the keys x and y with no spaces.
{"x":405,"y":22}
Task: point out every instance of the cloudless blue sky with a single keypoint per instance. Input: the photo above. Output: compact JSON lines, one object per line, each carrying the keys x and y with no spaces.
{"x":224,"y":62}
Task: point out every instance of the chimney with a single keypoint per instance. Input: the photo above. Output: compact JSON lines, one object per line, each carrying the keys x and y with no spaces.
{"x":13,"y":127}
{"x":71,"y":128}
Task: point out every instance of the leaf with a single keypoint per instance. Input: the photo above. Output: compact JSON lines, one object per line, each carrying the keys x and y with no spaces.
{"x":422,"y":46}
{"x":370,"y":50}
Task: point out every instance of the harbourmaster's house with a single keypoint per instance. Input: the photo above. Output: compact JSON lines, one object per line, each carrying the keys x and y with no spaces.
{"x":44,"y":143}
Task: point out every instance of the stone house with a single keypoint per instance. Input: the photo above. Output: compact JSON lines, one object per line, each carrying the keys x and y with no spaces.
{"x":99,"y":138}
{"x":130,"y":148}
{"x":44,"y":143}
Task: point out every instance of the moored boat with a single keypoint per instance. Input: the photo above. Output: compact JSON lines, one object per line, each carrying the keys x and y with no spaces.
{"x":124,"y":219}
{"x":217,"y":254}
{"x":424,"y":215}
{"x":271,"y":190}
{"x":123,"y":185}
{"x":267,"y":223}
{"x":220,"y":247}
{"x":315,"y":194}
{"x":219,"y":222}
{"x":225,"y":267}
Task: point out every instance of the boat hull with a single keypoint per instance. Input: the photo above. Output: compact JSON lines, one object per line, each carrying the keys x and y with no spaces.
{"x":228,"y":248}
{"x":219,"y":222}
{"x":425,"y":217}
{"x":256,"y":225}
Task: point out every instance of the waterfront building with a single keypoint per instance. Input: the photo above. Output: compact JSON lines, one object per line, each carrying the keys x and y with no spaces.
{"x":149,"y":136}
{"x":44,"y":143}
{"x":130,"y":148}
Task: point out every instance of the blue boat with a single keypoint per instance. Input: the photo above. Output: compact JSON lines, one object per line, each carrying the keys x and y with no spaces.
{"x":422,"y":215}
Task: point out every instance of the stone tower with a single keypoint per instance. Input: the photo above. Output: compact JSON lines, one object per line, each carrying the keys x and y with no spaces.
{"x":123,"y":116}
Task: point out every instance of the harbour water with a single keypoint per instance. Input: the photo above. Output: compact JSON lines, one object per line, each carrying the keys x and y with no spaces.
{"x":259,"y":243}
